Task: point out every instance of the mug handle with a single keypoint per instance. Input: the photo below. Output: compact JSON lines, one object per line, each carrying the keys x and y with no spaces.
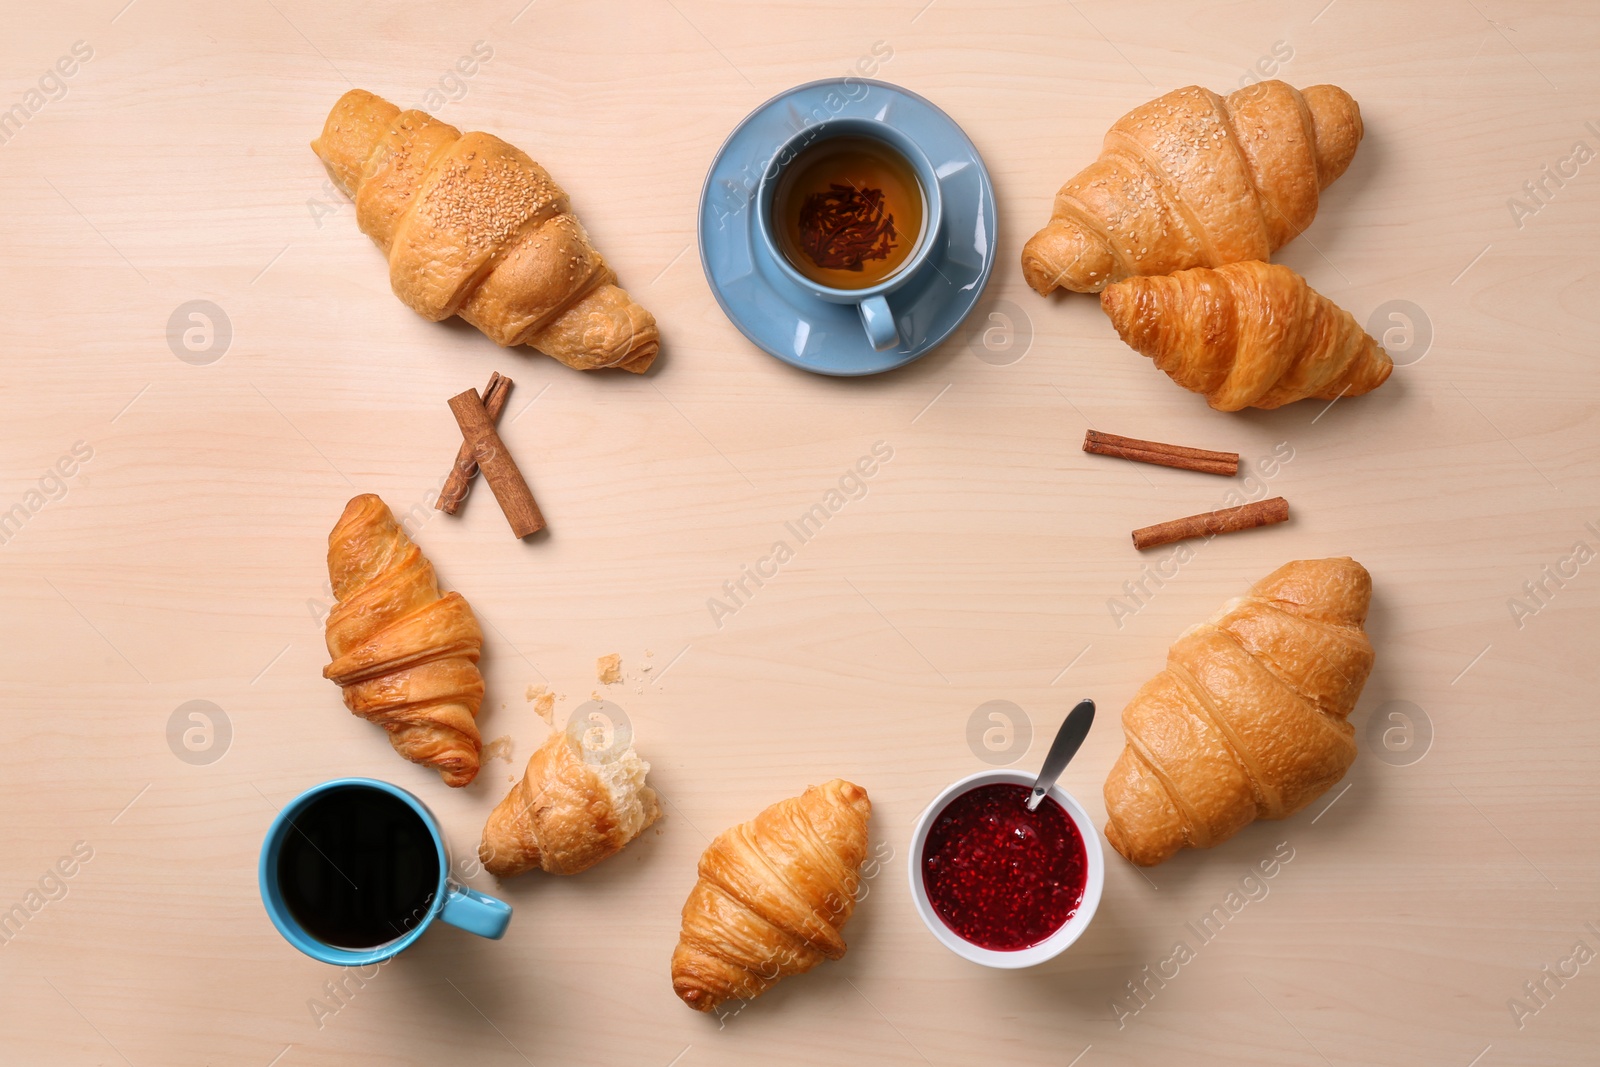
{"x":878,"y":321}
{"x":475,"y":912}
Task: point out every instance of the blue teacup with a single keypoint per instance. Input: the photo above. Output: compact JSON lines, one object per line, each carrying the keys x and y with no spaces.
{"x":876,"y":317}
{"x":334,"y":837}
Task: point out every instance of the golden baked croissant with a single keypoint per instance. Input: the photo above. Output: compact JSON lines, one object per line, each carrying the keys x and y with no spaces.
{"x":1247,"y":334}
{"x":1191,"y":179}
{"x":473,"y":227}
{"x":406,"y":657}
{"x":772,"y":896}
{"x":579,"y":802}
{"x":1249,"y":719}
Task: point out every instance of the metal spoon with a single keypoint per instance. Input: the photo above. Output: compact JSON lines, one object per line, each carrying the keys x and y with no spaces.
{"x":1062,"y":749}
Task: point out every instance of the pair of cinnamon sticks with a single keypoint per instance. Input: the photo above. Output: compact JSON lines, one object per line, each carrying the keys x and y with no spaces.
{"x":1206,"y":524}
{"x":482,"y":449}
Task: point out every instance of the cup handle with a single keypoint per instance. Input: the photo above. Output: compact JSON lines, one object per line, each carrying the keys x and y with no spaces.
{"x":475,"y":912}
{"x":878,"y":321}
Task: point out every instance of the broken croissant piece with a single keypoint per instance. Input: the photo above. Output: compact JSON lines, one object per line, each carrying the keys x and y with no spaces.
{"x":473,"y":227}
{"x":1250,"y":718}
{"x":1193,"y":179}
{"x":773,"y":895}
{"x":581,"y":800}
{"x":1248,"y":334}
{"x":405,"y":656}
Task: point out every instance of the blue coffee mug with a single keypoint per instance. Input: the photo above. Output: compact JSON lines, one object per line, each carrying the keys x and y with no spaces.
{"x":457,"y":905}
{"x":877,"y":318}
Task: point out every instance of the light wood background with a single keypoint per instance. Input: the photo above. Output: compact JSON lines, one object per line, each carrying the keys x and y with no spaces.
{"x":183,"y":560}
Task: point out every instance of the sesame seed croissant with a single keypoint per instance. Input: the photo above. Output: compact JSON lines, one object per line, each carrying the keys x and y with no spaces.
{"x":473,"y":227}
{"x":1193,"y":179}
{"x":1250,"y":718}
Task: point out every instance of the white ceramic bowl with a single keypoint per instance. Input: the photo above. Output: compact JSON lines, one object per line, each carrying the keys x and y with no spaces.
{"x":1057,"y":942}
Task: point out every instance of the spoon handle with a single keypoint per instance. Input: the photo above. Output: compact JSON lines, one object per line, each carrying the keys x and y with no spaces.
{"x":1068,"y":739}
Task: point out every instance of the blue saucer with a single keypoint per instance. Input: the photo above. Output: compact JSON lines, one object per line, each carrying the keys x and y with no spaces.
{"x":791,"y":324}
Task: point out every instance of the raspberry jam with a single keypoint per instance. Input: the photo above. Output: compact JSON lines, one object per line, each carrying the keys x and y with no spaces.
{"x":1001,"y":876}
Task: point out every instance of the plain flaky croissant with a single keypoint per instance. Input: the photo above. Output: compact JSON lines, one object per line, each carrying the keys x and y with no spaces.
{"x":1191,"y":179}
{"x":474,"y":227}
{"x":773,"y":896}
{"x":580,"y":801}
{"x":1249,"y":719}
{"x":406,"y":657}
{"x":1247,"y":334}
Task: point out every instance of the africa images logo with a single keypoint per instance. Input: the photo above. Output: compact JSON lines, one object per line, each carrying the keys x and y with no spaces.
{"x":850,"y":486}
{"x":51,"y":85}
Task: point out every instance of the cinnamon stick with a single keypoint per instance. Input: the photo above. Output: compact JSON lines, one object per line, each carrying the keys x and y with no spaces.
{"x":1180,"y":456}
{"x":459,"y":484}
{"x":1246,"y":517}
{"x":499,"y":469}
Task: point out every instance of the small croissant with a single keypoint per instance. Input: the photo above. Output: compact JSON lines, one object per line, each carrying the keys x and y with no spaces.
{"x":772,"y":896}
{"x":1250,"y":719}
{"x":579,"y":802}
{"x":406,"y":657}
{"x":473,"y":227}
{"x":1248,"y":334}
{"x":1193,"y":179}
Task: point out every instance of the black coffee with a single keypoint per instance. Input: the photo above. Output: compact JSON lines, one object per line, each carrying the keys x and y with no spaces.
{"x":358,"y":868}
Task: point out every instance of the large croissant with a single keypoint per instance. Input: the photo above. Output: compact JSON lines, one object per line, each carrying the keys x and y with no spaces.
{"x":473,"y":227}
{"x":1248,"y":720}
{"x":772,"y":896}
{"x":578,"y":803}
{"x":1248,"y":334}
{"x":406,"y":657}
{"x":1191,"y":179}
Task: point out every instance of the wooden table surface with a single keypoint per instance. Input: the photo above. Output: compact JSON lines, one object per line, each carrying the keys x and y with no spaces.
{"x":181,"y":560}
